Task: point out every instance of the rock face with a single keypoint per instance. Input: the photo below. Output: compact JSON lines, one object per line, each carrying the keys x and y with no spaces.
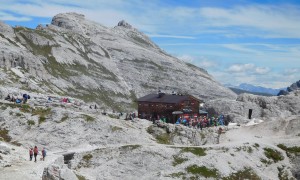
{"x":76,"y":57}
{"x":262,"y":107}
{"x":293,"y":87}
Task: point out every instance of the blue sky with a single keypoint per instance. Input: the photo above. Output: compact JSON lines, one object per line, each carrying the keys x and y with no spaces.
{"x":237,"y":41}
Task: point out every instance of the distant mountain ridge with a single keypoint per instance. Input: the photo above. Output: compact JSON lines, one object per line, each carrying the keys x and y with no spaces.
{"x":258,"y":90}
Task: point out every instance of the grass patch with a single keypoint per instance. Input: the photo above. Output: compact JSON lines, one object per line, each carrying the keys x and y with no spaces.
{"x":42,"y":119}
{"x":30,"y":122}
{"x":4,"y":135}
{"x":256,"y":145}
{"x":178,"y":160}
{"x":3,"y":108}
{"x":16,"y":143}
{"x":198,"y":151}
{"x":243,"y":174}
{"x":202,"y":171}
{"x":273,"y":154}
{"x":18,"y":114}
{"x":115,"y":128}
{"x":176,"y":175}
{"x":113,"y":116}
{"x":293,"y":150}
{"x":88,"y":118}
{"x":163,"y":138}
{"x":130,"y":147}
{"x":64,"y":118}
{"x":79,"y":177}
{"x":265,"y":161}
{"x":87,"y":157}
{"x":41,"y":111}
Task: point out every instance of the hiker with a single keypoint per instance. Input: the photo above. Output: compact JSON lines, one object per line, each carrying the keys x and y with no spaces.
{"x":30,"y":154}
{"x":43,"y":154}
{"x":25,"y":97}
{"x":220,"y":130}
{"x":90,"y":106}
{"x":35,"y":151}
{"x":7,"y":97}
{"x":95,"y":107}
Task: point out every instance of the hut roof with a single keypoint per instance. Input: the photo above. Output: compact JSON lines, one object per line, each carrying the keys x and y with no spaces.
{"x":165,"y":98}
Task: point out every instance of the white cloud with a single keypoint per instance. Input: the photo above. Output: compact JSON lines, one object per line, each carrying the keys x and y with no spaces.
{"x":237,"y":68}
{"x":241,"y":48}
{"x":262,"y":70}
{"x":248,"y":69}
{"x":276,"y":21}
{"x":9,"y":17}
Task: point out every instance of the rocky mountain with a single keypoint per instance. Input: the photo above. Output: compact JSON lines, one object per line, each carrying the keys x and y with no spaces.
{"x":293,"y":87}
{"x":255,"y":89}
{"x":76,"y":57}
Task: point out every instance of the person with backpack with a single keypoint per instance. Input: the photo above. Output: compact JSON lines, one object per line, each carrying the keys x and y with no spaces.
{"x":43,"y":154}
{"x":30,"y":154}
{"x":35,"y":152}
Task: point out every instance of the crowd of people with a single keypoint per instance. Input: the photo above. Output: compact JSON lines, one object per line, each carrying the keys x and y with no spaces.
{"x":202,"y":122}
{"x":17,"y":99}
{"x":34,"y":152}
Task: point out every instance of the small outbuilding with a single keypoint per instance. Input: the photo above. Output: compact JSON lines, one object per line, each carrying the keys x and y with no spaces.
{"x":168,"y":107}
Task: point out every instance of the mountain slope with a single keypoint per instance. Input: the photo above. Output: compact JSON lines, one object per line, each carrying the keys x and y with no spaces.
{"x":76,"y":57}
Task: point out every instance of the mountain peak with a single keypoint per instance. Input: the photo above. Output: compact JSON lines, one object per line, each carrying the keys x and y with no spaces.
{"x":124,"y":24}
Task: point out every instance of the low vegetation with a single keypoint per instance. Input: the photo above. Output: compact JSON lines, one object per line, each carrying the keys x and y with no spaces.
{"x":265,"y":161}
{"x":202,"y":171}
{"x":163,"y":138}
{"x":130,"y":147}
{"x":115,"y":128}
{"x":4,"y":135}
{"x":282,"y":174}
{"x":64,"y":118}
{"x":198,"y":151}
{"x":79,"y":177}
{"x":42,"y":119}
{"x":247,"y":173}
{"x":273,"y":154}
{"x":30,"y":123}
{"x":178,"y":160}
{"x":289,"y":150}
{"x":88,"y":118}
{"x":176,"y":175}
{"x":87,"y":157}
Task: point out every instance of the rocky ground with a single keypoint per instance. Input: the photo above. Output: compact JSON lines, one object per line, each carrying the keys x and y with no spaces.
{"x":105,"y":147}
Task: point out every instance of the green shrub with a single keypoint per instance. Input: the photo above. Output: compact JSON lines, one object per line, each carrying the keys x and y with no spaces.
{"x":16,"y":143}
{"x":41,"y":111}
{"x":198,"y":151}
{"x":203,"y":171}
{"x":273,"y":154}
{"x":163,"y":138}
{"x":88,"y":118}
{"x":87,"y":157}
{"x":18,"y":114}
{"x":80,"y":177}
{"x":130,"y":147}
{"x":115,"y":128}
{"x":178,"y":160}
{"x":4,"y":135}
{"x":42,"y":119}
{"x":30,"y":122}
{"x":176,"y":175}
{"x":247,"y":173}
{"x":64,"y":118}
{"x":294,"y":149}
